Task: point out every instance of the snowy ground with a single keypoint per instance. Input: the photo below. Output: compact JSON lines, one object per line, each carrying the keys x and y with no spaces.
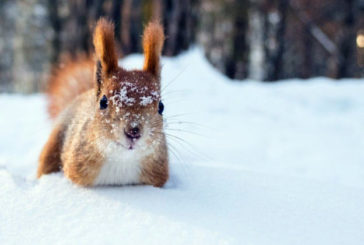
{"x":257,"y":164}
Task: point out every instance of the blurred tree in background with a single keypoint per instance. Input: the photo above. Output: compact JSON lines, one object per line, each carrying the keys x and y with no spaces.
{"x":259,"y":39}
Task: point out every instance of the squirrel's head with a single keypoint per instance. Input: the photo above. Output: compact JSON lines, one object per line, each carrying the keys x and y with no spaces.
{"x":129,"y":104}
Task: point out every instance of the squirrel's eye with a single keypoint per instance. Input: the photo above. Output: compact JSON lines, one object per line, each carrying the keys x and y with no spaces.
{"x":160,"y":107}
{"x":103,"y":102}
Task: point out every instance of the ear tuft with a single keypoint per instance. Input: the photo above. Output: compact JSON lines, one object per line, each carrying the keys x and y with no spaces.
{"x":153,"y":39}
{"x":105,"y":45}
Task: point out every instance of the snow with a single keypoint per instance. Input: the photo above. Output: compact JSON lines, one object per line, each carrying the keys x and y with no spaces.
{"x":251,"y":163}
{"x":122,"y":97}
{"x":146,"y":100}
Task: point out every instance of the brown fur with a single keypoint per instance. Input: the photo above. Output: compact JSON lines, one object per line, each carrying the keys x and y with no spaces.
{"x":82,"y":130}
{"x":68,"y":81}
{"x":155,"y":169}
{"x":81,"y":159}
{"x":49,"y":158}
{"x":153,"y":39}
{"x":105,"y":46}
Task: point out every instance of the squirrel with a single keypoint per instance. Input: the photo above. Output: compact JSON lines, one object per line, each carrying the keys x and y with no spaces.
{"x":108,"y":128}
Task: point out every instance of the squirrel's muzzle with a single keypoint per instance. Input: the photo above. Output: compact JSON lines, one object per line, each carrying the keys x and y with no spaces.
{"x":132,"y":132}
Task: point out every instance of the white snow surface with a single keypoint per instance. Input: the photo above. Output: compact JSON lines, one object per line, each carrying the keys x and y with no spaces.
{"x":254,"y":163}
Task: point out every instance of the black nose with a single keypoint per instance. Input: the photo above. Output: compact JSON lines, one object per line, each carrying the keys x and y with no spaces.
{"x":132,"y":133}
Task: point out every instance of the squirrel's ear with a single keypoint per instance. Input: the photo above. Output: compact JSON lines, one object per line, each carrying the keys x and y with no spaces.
{"x":153,"y":39}
{"x":105,"y":46}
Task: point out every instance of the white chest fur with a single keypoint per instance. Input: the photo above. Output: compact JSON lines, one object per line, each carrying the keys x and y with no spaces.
{"x":121,"y":167}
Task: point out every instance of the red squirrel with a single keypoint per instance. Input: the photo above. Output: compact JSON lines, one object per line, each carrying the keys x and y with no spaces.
{"x":109,"y":126}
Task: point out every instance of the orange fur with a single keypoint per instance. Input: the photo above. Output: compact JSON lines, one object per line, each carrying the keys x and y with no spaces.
{"x":155,"y":168}
{"x":68,"y":81}
{"x":49,"y":160}
{"x":83,"y":132}
{"x":105,"y":45}
{"x":153,"y":39}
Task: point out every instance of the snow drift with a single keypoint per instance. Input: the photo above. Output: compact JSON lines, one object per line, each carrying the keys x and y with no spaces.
{"x":251,"y":163}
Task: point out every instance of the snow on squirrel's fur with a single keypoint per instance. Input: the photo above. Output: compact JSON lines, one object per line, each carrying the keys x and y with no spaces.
{"x":86,"y":126}
{"x":276,"y":164}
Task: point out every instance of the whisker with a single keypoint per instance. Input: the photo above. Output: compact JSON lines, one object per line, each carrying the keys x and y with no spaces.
{"x":186,"y":122}
{"x":178,"y":115}
{"x":164,"y":95}
{"x":185,"y":131}
{"x":175,"y":78}
{"x":190,"y":148}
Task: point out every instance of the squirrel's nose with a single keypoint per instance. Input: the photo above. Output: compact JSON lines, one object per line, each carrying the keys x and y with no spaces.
{"x":132,"y":133}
